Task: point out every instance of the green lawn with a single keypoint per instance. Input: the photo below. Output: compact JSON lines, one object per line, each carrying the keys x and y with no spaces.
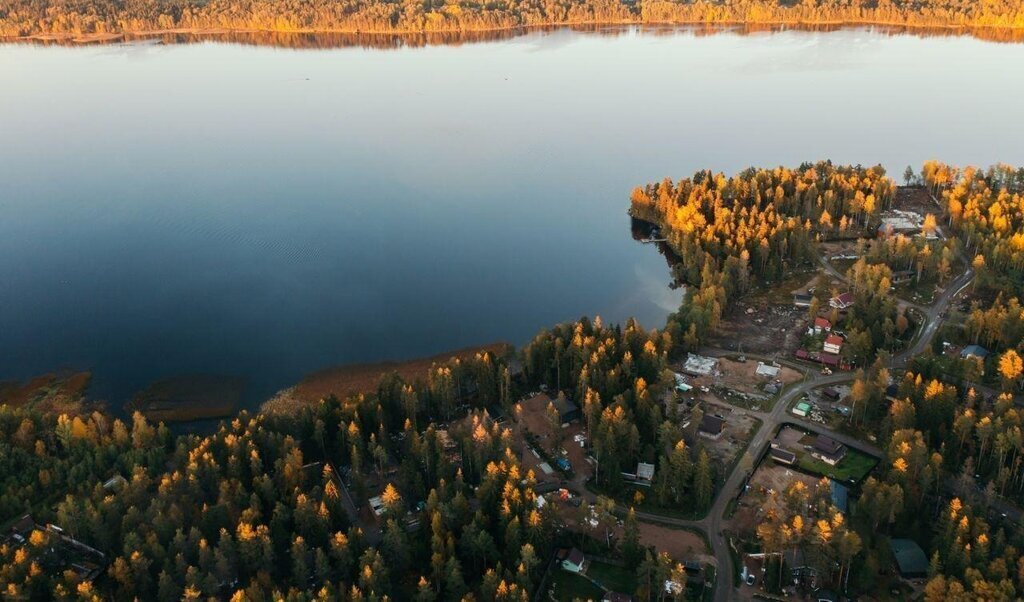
{"x":615,"y":578}
{"x":569,"y":586}
{"x":855,"y":466}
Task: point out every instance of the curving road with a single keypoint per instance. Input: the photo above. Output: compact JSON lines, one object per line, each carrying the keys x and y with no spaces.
{"x":712,"y":524}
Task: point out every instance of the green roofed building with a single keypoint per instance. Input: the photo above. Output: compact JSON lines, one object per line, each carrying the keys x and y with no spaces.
{"x":802,"y":409}
{"x":910,"y":558}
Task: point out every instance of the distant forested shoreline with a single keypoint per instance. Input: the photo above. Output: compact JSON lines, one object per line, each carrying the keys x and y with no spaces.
{"x":111,"y":19}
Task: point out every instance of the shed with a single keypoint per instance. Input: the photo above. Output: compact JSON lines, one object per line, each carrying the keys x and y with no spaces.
{"x":711,"y":426}
{"x":974,"y":351}
{"x":574,"y":561}
{"x":782,"y":456}
{"x":644,"y":471}
{"x":567,"y":410}
{"x":910,"y":558}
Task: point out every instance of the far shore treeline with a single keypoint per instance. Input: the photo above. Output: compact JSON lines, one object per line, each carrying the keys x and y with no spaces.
{"x":111,"y":19}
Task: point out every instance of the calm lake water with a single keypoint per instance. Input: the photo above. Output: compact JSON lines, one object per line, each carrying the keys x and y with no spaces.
{"x":267,"y":212}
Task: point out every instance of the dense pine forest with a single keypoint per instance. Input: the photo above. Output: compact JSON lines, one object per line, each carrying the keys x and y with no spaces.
{"x":21,"y":18}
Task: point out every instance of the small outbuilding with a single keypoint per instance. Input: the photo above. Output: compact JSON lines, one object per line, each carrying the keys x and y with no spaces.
{"x":574,"y":561}
{"x":911,"y":560}
{"x":567,"y":410}
{"x":974,"y":351}
{"x":841,"y":302}
{"x":711,"y":426}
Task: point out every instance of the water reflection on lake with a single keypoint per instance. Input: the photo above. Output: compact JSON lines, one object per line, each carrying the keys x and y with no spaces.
{"x":216,"y":208}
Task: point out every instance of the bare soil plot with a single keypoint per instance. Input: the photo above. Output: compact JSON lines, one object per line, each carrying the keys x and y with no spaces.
{"x":738,"y":427}
{"x":533,"y":418}
{"x":770,"y":329}
{"x":768,"y":477}
{"x":789,"y":437}
{"x":914,"y":199}
{"x":734,"y":377}
{"x":680,"y":544}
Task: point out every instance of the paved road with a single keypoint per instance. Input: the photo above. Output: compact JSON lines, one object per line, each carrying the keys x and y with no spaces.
{"x":713,"y":523}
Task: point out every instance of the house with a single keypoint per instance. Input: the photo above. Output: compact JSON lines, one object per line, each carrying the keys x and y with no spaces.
{"x":802,"y":299}
{"x":780,"y":455}
{"x":895,"y":221}
{"x":841,"y":302}
{"x":114,"y":483}
{"x":829,"y":359}
{"x":974,"y":351}
{"x":802,"y":409}
{"x":768,"y":370}
{"x":820,"y":326}
{"x":698,"y":365}
{"x":567,"y":410}
{"x":711,"y":426}
{"x":644,"y":472}
{"x":910,"y":558}
{"x":828,"y":450}
{"x":574,"y":561}
{"x":833,"y":344}
{"x":377,"y":505}
{"x":902,"y":276}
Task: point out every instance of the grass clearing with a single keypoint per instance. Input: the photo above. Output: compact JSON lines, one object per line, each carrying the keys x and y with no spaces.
{"x":612,"y":577}
{"x":570,"y":586}
{"x":853,"y":467}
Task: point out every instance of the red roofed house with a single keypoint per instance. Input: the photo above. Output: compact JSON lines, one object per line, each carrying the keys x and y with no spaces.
{"x":843,"y":301}
{"x":821,"y":325}
{"x":833,"y":344}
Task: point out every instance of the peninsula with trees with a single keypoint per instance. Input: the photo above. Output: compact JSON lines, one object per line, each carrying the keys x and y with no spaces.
{"x":833,"y":412}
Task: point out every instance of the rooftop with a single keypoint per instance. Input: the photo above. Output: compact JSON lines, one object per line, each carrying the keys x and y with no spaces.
{"x":827,"y":445}
{"x":564,"y":406}
{"x":975,"y":350}
{"x":910,"y":558}
{"x":712,"y":424}
{"x":699,"y":365}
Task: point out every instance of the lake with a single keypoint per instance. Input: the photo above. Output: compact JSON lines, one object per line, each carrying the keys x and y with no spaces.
{"x":266,"y":212}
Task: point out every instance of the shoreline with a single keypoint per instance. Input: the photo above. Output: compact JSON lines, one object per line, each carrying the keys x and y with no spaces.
{"x":353,"y":379}
{"x":991,"y":33}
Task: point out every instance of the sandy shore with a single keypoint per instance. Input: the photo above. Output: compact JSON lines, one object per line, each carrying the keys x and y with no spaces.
{"x":352,"y":379}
